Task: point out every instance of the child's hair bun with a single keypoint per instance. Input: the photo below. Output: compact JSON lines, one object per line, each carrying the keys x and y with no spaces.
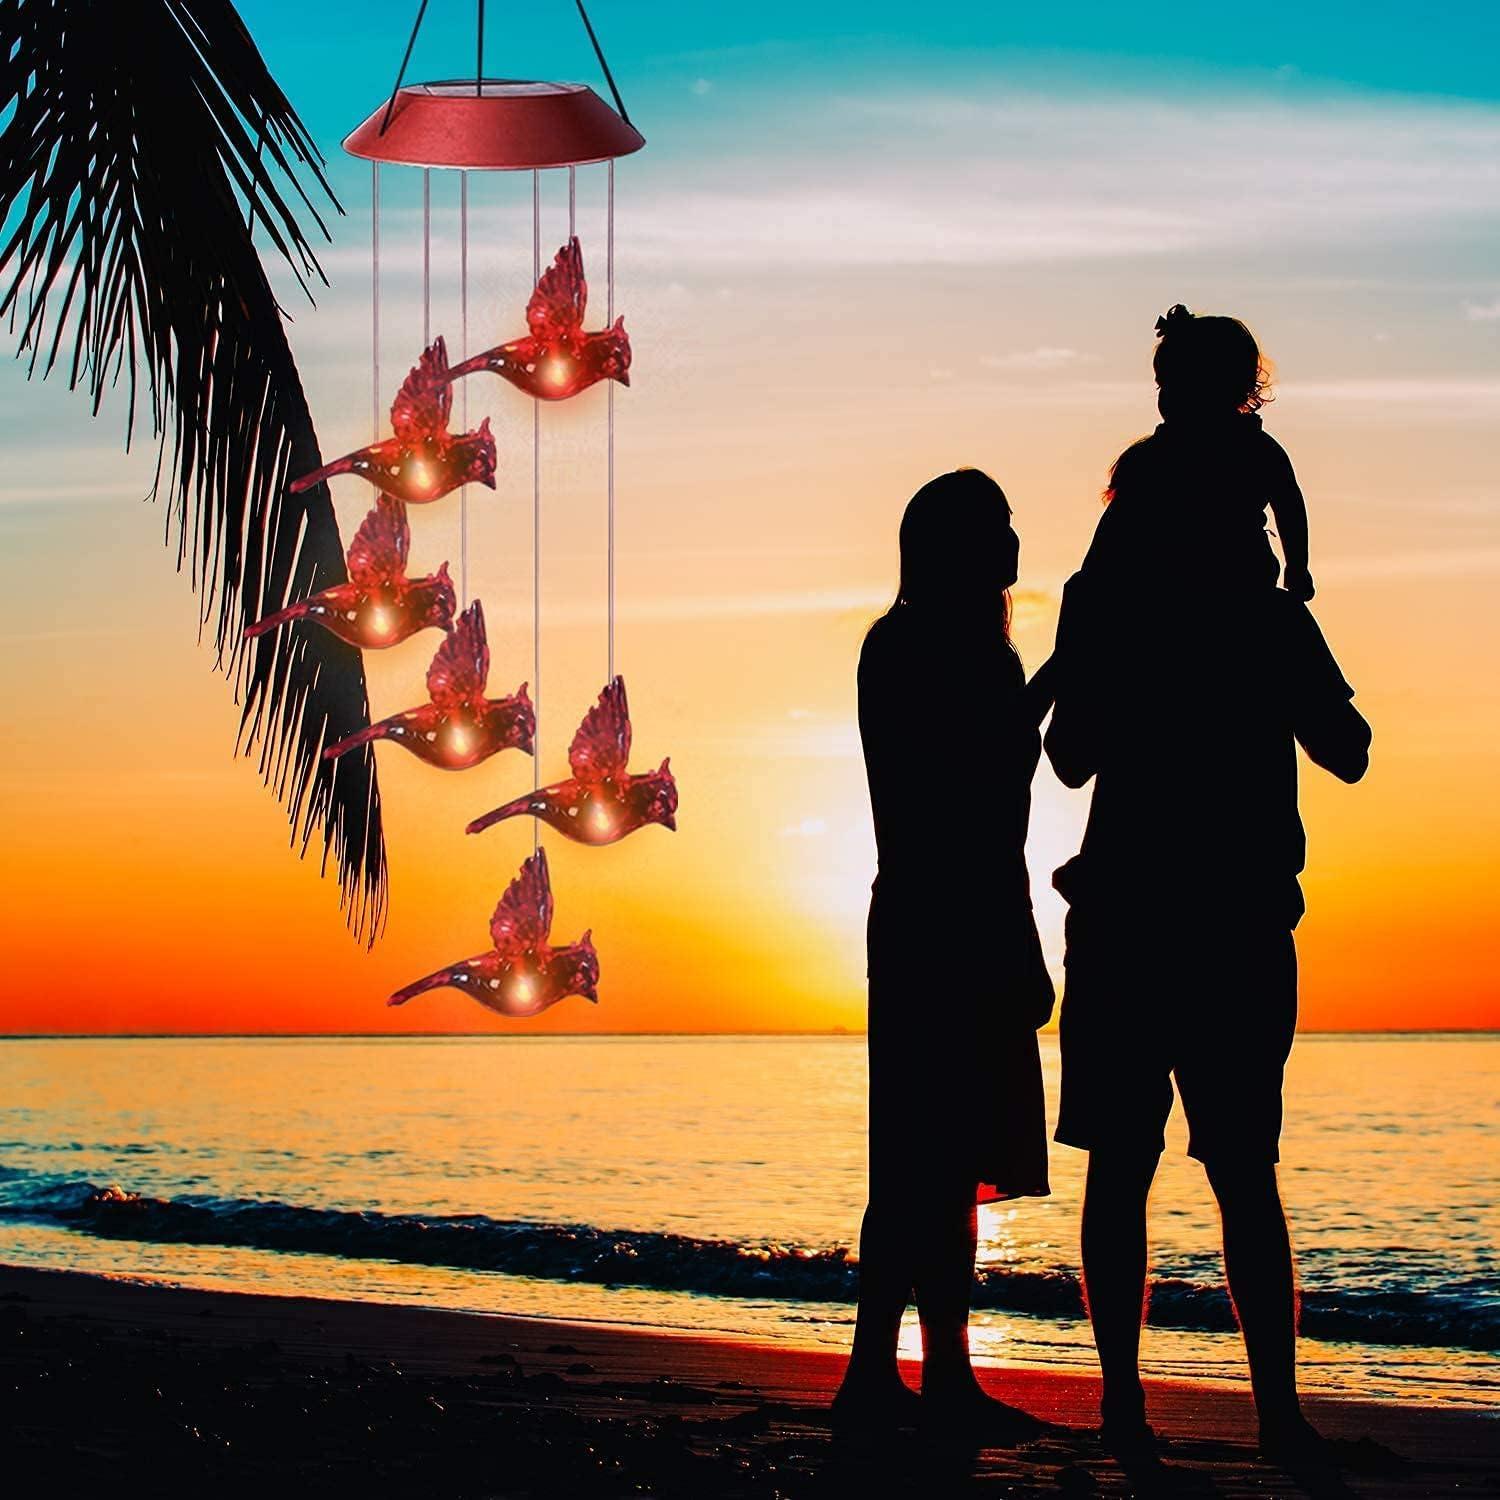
{"x":1174,"y":317}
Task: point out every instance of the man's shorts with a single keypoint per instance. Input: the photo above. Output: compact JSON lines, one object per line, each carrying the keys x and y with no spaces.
{"x":1212,"y":1005}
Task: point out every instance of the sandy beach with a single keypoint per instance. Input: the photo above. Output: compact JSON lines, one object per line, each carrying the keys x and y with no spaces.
{"x":151,"y":1389}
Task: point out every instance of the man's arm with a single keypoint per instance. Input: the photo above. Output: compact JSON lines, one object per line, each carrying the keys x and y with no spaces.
{"x":1334,"y":733}
{"x":1338,"y":739}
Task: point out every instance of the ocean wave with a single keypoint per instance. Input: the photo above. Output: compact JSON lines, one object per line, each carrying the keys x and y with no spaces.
{"x":1460,"y":1317}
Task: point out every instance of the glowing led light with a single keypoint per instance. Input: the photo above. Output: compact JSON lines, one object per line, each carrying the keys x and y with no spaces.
{"x":379,"y":606}
{"x":556,"y":359}
{"x":617,"y":802}
{"x":423,"y":461}
{"x":523,"y":974}
{"x":459,"y":727}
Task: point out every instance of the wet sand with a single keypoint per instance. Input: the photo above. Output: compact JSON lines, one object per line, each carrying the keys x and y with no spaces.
{"x":155,"y":1390}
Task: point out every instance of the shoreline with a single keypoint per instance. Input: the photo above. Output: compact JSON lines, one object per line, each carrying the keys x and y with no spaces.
{"x":239,"y":1390}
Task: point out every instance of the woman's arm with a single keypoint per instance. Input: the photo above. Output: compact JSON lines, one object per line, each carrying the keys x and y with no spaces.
{"x":1041,"y":691}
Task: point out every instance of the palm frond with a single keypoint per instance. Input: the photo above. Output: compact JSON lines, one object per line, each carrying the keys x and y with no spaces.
{"x":146,"y":145}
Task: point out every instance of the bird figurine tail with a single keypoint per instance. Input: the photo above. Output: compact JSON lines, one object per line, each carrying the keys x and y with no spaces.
{"x":281,"y":617}
{"x":307,"y":481}
{"x":440,"y":980}
{"x":354,"y":741}
{"x":514,"y":809}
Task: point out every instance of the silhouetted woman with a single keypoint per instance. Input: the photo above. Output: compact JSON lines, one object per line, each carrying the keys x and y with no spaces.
{"x":957,"y":986}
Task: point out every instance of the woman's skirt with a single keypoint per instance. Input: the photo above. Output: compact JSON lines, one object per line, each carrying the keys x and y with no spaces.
{"x":955,"y":1070}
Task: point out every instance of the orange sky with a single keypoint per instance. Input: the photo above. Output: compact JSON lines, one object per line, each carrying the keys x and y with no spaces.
{"x":781,"y":415}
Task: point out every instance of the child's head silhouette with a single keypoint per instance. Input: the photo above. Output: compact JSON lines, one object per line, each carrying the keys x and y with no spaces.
{"x":1207,"y":366}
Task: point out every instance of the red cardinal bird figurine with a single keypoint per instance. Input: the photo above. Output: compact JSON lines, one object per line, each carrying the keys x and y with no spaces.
{"x":557,"y":359}
{"x":524,"y":974}
{"x":379,"y":606}
{"x":460,"y":727}
{"x":424,"y":461}
{"x":602,"y":801}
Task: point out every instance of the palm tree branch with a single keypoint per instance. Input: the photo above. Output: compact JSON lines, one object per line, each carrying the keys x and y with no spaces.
{"x":144,"y":145}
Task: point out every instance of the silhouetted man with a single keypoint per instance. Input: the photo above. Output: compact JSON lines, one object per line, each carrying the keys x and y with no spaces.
{"x":1180,"y":960}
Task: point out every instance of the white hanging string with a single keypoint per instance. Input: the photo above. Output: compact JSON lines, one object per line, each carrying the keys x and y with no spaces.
{"x":609,"y":282}
{"x":375,"y":294}
{"x":536,"y":526}
{"x":572,"y":202}
{"x":463,"y":354}
{"x":426,"y":256}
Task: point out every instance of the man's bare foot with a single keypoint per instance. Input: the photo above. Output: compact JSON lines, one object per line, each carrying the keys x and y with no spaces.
{"x":1297,"y":1446}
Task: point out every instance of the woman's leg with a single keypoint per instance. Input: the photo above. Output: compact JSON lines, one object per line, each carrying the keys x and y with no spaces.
{"x":885,"y":1282}
{"x":945,"y":1282}
{"x":946,"y":1239}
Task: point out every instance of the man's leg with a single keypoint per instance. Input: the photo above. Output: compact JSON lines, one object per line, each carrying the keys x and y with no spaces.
{"x":1114,"y":1275}
{"x":1258,"y":1264}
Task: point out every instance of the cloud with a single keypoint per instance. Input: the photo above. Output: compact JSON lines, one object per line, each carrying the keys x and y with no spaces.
{"x":1483,"y":312}
{"x":1047,"y":357}
{"x":1457,"y":398}
{"x":1465,"y":562}
{"x":808,"y":828}
{"x":915,"y":179}
{"x":701,"y":86}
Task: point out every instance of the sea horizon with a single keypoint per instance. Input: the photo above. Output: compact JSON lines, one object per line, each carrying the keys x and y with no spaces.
{"x":713,"y":1184}
{"x":770,"y":1034}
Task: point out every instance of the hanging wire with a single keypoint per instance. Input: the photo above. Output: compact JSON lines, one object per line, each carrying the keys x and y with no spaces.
{"x":411,"y":42}
{"x":609,"y":77}
{"x":536,"y":525}
{"x":609,"y":283}
{"x":426,"y":256}
{"x":572,"y":202}
{"x":375,"y":295}
{"x":463,"y":354}
{"x":479,"y":53}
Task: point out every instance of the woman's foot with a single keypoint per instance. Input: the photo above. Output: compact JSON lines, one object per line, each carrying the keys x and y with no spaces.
{"x":874,"y":1404}
{"x":965,"y":1409}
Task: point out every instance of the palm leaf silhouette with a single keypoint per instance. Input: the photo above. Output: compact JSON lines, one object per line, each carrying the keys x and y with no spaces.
{"x":147,"y":144}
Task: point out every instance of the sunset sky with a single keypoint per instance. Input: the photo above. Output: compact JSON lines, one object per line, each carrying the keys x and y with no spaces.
{"x":864,"y":244}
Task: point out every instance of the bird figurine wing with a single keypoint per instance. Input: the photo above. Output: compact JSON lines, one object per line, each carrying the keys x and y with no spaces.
{"x":557,"y":305}
{"x":601,"y":748}
{"x":461,"y":666}
{"x":378,"y":552}
{"x":423,"y":403}
{"x":523,"y":919}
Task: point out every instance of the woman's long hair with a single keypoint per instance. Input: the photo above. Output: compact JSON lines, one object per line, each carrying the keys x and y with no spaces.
{"x":950,"y":533}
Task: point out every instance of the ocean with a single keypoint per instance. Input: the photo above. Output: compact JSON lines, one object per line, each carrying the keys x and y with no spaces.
{"x":715,"y":1185}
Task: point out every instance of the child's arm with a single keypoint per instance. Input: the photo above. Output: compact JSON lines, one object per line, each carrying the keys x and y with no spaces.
{"x":1290,"y":510}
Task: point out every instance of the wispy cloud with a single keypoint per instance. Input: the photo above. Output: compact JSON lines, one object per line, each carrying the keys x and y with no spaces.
{"x":913,"y":179}
{"x":1483,"y":312}
{"x":1047,"y":357}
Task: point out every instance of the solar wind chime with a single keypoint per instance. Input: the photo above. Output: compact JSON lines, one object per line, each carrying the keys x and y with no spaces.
{"x":492,"y":125}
